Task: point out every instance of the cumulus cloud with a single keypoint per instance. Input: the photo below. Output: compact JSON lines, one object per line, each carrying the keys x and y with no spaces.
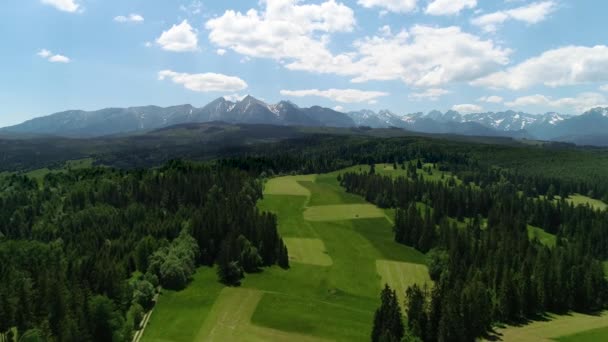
{"x":207,"y":82}
{"x":491,"y":99}
{"x":131,"y":18}
{"x":531,"y":14}
{"x":397,"y":6}
{"x":569,"y":65}
{"x":467,"y":108}
{"x":579,"y":104}
{"x":432,"y":94}
{"x":53,"y":58}
{"x":449,"y":7}
{"x":338,"y":95}
{"x":284,"y":30}
{"x":426,"y":57}
{"x":63,"y":5}
{"x":339,"y":109}
{"x":298,"y":35}
{"x":220,"y":52}
{"x":179,"y":38}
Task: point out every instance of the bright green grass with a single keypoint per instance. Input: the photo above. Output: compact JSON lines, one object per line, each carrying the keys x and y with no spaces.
{"x":335,"y":301}
{"x":401,"y":275}
{"x":289,"y":211}
{"x":179,"y":315}
{"x":288,"y":185}
{"x":307,"y":251}
{"x":326,"y":191}
{"x":593,"y":335}
{"x":545,"y":238}
{"x":230,"y":320}
{"x":577,"y":199}
{"x":39,"y":174}
{"x":339,"y":212}
{"x":554,"y":328}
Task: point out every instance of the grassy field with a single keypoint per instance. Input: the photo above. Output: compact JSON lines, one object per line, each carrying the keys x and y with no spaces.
{"x":600,"y":334}
{"x":69,"y":165}
{"x":331,"y":290}
{"x":401,"y":275}
{"x":577,"y":199}
{"x":308,"y":251}
{"x":571,"y":327}
{"x":339,"y":212}
{"x":545,"y":238}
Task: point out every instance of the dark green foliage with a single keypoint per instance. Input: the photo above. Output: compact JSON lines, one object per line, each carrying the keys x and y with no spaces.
{"x":84,"y":233}
{"x":388,"y":322}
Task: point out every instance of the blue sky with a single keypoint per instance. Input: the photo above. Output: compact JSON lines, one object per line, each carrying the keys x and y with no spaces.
{"x":402,"y":55}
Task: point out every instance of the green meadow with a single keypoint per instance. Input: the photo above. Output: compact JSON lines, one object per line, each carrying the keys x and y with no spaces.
{"x":342,"y":252}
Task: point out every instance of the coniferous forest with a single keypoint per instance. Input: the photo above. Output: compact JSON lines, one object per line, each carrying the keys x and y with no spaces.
{"x":83,"y":255}
{"x":84,"y":252}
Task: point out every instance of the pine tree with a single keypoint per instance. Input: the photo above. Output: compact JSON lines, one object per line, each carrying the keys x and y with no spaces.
{"x":388,"y":322}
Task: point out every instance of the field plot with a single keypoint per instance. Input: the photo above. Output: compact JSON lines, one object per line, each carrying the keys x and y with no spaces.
{"x":330,"y":291}
{"x":308,"y":251}
{"x":179,"y":314}
{"x":342,"y":212}
{"x":230,"y":320}
{"x":401,"y":275}
{"x":577,"y":199}
{"x":593,"y":335}
{"x":288,"y":185}
{"x":545,"y":238}
{"x":555,"y":328}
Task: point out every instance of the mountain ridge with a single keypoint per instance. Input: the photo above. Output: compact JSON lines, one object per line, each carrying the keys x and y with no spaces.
{"x":590,"y":127}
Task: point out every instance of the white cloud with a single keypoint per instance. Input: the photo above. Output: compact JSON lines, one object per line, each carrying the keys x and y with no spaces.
{"x":285,"y":30}
{"x":179,"y":38}
{"x":467,"y":108}
{"x":131,"y":18}
{"x":220,"y":52}
{"x":234,"y":97}
{"x":449,"y":7}
{"x":569,"y":65}
{"x":63,"y":5}
{"x":432,"y":94}
{"x":491,"y":99}
{"x":531,"y":14}
{"x":53,"y":58}
{"x":339,"y":109}
{"x":604,"y":88}
{"x":338,"y":95}
{"x":397,"y":6}
{"x":207,"y":82}
{"x":579,"y":104}
{"x":423,"y":56}
{"x":298,"y":36}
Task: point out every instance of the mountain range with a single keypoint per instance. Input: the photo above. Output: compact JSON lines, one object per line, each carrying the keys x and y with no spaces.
{"x":590,"y":128}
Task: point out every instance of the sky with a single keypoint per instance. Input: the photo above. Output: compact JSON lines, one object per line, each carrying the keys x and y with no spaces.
{"x":403,"y":55}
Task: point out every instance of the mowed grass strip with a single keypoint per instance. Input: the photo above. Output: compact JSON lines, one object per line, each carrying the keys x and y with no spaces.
{"x":554,"y":328}
{"x":230,"y":320}
{"x":401,"y":275}
{"x":288,"y":185}
{"x":308,"y":251}
{"x":545,"y":238}
{"x":339,"y":212}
